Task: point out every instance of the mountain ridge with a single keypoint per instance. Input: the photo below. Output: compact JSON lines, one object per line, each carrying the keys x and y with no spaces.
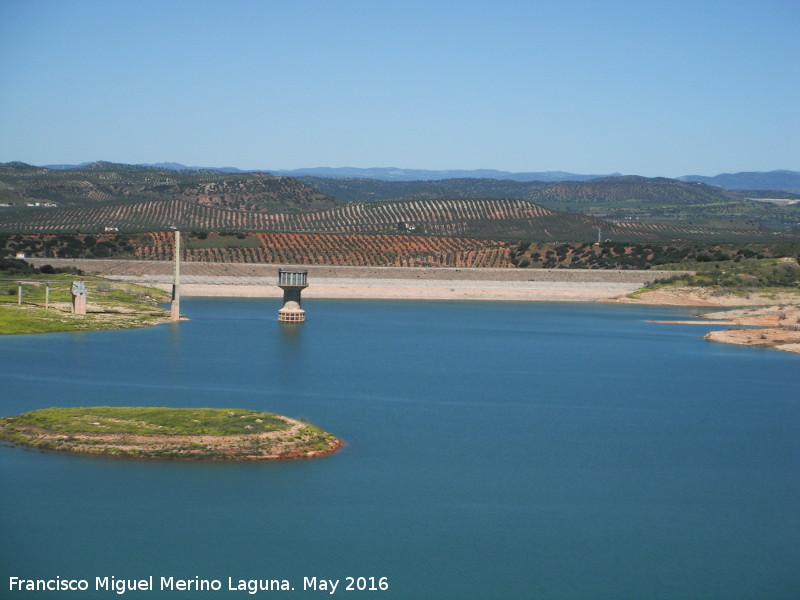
{"x":620,"y":198}
{"x":780,"y":179}
{"x":100,"y":182}
{"x":784,"y":180}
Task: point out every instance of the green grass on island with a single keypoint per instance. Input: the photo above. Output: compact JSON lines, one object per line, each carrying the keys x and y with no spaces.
{"x":175,"y":433}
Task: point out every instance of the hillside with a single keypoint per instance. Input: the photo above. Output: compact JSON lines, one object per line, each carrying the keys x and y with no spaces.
{"x":603,"y":190}
{"x":201,"y":251}
{"x":480,"y":217}
{"x":395,"y":174}
{"x":100,"y":182}
{"x":104,"y":197}
{"x":780,"y":180}
{"x":660,"y":200}
{"x":788,"y":181}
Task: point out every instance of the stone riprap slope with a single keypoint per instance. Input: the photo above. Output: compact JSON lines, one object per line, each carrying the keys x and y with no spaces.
{"x":190,"y":272}
{"x":224,"y":279}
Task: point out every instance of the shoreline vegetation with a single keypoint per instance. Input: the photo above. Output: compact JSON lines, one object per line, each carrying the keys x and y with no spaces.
{"x":169,"y":433}
{"x":38,"y":299}
{"x":765,"y":291}
{"x":111,"y":305}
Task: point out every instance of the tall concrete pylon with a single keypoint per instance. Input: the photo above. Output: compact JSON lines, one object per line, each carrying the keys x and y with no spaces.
{"x":175,"y":307}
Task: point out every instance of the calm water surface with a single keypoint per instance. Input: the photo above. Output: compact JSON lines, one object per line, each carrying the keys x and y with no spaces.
{"x":494,"y":450}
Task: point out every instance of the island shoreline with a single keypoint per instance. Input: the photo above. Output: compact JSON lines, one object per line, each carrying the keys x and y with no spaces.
{"x":151,"y":433}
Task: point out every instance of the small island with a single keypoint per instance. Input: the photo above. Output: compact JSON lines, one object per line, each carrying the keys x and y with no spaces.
{"x":169,"y":433}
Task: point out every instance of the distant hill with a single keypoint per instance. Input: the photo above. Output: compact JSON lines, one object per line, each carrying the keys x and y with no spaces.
{"x":395,"y":174}
{"x":599,"y":191}
{"x":484,"y":217}
{"x":618,"y":198}
{"x":170,"y":166}
{"x":107,"y":182}
{"x":490,"y":218}
{"x":788,"y":181}
{"x":381,"y":173}
{"x":140,"y":198}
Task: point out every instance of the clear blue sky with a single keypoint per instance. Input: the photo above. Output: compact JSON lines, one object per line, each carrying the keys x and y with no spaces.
{"x":663,"y":88}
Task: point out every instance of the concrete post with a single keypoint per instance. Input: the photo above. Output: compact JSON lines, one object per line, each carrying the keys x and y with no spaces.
{"x":78,"y":291}
{"x":175,"y":307}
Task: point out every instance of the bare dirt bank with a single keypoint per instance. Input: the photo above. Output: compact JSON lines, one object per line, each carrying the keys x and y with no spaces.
{"x":769,"y":319}
{"x":776,"y":326}
{"x":420,"y":283}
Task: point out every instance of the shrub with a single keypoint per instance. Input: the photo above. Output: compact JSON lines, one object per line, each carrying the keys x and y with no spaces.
{"x":15,"y":266}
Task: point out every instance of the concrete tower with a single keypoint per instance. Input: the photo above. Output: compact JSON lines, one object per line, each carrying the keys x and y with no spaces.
{"x":292,"y":282}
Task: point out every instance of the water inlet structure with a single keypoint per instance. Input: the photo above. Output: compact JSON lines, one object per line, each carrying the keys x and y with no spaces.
{"x":292,"y":282}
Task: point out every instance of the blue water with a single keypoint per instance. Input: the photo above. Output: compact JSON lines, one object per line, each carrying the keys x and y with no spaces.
{"x":494,"y":450}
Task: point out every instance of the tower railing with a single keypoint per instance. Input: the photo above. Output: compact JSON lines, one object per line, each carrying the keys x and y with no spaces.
{"x":290,"y":277}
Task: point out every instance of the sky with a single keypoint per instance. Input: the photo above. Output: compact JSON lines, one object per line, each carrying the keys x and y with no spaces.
{"x":653,"y":88}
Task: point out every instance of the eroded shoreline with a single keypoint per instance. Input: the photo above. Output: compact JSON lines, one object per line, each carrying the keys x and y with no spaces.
{"x":169,"y":433}
{"x":769,"y":319}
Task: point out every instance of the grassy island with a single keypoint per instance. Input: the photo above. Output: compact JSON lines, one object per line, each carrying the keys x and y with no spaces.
{"x":170,"y":433}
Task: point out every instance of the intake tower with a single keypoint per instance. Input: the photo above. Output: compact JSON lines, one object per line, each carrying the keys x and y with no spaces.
{"x":292,"y":282}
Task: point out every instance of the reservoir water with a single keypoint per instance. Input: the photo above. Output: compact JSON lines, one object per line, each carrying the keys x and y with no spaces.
{"x":493,"y":451}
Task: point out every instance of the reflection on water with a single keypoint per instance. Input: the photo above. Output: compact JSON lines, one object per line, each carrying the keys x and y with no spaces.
{"x":290,"y":333}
